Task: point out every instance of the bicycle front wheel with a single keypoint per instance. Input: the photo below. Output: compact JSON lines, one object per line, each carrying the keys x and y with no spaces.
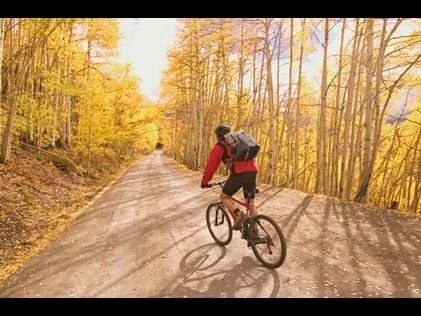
{"x":268,"y":243}
{"x":219,"y":224}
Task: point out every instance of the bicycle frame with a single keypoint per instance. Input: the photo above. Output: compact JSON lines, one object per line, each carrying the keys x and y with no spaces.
{"x":261,"y":232}
{"x":244,"y":204}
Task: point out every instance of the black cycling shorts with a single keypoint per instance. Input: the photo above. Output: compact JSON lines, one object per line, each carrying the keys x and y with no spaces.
{"x":245,"y":180}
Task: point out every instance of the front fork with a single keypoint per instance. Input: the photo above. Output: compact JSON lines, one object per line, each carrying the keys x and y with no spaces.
{"x":221,"y":205}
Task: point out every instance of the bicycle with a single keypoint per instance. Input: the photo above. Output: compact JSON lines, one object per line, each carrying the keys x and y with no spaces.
{"x":262,"y":232}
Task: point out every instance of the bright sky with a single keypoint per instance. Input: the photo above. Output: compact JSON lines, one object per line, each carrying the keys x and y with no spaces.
{"x":146,"y":44}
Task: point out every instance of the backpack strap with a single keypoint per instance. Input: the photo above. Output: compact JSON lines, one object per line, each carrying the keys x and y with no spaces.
{"x":225,"y":157}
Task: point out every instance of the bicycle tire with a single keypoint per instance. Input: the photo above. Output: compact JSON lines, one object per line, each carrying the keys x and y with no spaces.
{"x":219,"y":224}
{"x":269,"y":246}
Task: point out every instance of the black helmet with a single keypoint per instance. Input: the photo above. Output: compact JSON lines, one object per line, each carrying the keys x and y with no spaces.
{"x":221,"y":130}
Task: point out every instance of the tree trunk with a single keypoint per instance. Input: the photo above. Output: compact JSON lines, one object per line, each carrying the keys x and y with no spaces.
{"x":321,"y":172}
{"x":1,"y":63}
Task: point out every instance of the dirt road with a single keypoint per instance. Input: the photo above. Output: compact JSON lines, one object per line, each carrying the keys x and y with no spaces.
{"x":146,"y":237}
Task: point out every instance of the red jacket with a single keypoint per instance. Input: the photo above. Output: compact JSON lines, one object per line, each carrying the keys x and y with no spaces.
{"x":215,"y":158}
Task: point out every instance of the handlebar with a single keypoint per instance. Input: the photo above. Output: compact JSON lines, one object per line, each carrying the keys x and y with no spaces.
{"x":220,"y":183}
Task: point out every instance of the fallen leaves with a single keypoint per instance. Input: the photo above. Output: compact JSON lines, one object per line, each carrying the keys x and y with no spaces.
{"x":38,"y":201}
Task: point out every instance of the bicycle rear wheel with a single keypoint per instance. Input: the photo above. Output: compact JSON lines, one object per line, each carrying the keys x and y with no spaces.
{"x":268,"y":242}
{"x":219,"y":224}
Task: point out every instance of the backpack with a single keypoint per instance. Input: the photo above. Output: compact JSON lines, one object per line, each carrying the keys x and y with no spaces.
{"x":243,"y":145}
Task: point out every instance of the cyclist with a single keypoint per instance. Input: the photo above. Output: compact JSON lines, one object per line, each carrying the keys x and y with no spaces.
{"x":242,"y":174}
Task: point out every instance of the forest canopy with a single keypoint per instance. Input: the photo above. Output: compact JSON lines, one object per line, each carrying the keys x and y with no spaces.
{"x":62,"y":88}
{"x":333,"y":102}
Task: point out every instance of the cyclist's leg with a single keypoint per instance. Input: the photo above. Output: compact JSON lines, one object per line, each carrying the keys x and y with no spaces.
{"x":227,"y":201}
{"x":253,"y":210}
{"x":249,"y":188}
{"x":230,"y":188}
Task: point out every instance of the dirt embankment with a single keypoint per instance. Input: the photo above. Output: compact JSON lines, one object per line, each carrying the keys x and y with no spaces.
{"x":38,"y":201}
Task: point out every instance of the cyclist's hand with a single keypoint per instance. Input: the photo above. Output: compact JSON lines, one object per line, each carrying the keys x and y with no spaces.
{"x":203,"y":186}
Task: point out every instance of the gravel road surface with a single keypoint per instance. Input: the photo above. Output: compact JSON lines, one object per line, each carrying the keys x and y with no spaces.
{"x":145,"y":236}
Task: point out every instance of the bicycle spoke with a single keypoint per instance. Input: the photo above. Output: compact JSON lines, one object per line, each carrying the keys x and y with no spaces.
{"x":270,"y":246}
{"x":219,"y":224}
